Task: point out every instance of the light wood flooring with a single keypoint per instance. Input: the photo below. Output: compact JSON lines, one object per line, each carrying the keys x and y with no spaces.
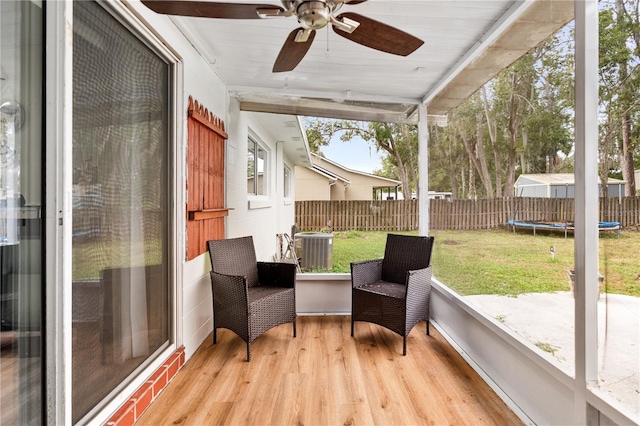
{"x":326,"y":377}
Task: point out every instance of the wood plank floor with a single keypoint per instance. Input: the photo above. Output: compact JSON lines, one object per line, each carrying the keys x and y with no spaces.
{"x":326,"y":377}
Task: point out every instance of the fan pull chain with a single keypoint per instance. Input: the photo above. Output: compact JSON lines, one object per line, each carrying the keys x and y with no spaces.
{"x":327,"y":52}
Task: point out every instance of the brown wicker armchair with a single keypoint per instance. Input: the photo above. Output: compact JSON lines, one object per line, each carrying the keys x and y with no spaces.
{"x":249,"y":297}
{"x":395,"y":291}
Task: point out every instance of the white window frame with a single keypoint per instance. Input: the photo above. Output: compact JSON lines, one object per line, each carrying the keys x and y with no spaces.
{"x":260,"y":201}
{"x":287,"y":189}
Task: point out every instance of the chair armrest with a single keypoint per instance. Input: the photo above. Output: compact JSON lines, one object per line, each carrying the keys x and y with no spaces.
{"x":229,"y":290}
{"x":419,"y":282}
{"x":278,"y":274}
{"x":365,"y":272}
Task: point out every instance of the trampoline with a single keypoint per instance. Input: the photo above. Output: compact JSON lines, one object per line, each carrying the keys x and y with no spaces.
{"x":559,"y":226}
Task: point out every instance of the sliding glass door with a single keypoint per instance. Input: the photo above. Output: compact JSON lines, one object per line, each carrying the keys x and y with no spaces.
{"x":21,"y":257}
{"x":120,"y":206}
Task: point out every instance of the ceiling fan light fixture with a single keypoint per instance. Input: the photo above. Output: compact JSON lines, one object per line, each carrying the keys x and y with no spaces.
{"x":314,"y":15}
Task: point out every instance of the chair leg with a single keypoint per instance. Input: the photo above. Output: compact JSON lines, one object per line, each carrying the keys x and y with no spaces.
{"x":294,"y":328}
{"x":248,"y":351}
{"x":215,"y":335}
{"x":351,"y":325}
{"x":427,"y":327}
{"x":404,"y":345}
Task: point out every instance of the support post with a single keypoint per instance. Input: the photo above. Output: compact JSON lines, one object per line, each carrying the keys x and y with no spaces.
{"x":423,"y":171}
{"x":586,"y":203}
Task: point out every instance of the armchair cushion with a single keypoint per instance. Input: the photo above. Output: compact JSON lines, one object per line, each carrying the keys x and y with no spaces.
{"x":384,"y":288}
{"x":262,"y":292}
{"x":278,"y":274}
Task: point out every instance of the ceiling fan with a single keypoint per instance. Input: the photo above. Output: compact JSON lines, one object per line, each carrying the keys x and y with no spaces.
{"x":312,"y":15}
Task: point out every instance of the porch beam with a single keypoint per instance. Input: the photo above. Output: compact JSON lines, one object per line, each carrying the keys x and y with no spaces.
{"x":423,"y":171}
{"x":586,"y":202}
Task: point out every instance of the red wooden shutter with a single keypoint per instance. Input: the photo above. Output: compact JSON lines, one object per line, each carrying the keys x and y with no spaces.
{"x":205,"y":179}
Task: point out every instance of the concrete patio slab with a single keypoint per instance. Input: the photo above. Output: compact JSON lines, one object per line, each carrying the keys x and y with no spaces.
{"x":547,"y":320}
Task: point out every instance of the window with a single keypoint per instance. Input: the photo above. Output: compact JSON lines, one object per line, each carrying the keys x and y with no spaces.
{"x":287,"y":182}
{"x":257,"y":169}
{"x":121,"y":199}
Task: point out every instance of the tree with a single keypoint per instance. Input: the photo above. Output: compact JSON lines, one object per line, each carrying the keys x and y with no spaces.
{"x":518,"y":122}
{"x":397,"y":140}
{"x":318,"y":132}
{"x":619,"y":86}
{"x":628,"y":19}
{"x":548,"y":124}
{"x":469,"y":126}
{"x":446,"y":157}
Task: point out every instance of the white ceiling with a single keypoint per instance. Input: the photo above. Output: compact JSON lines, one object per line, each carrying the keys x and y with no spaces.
{"x":466,"y":43}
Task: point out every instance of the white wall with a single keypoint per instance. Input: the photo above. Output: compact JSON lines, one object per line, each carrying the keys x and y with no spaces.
{"x":260,"y":216}
{"x":323,"y":294}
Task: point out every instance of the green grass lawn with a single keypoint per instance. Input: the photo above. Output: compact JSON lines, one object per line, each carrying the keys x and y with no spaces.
{"x":90,"y":257}
{"x":503,"y":262}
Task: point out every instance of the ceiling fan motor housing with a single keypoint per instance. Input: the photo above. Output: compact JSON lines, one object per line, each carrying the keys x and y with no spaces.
{"x":312,"y":14}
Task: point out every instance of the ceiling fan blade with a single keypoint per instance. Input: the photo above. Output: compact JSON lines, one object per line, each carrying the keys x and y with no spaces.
{"x":292,"y":51}
{"x":204,"y":9}
{"x":354,"y":1}
{"x":379,"y":36}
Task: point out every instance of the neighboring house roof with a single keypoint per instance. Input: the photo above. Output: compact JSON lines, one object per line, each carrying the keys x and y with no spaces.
{"x":328,"y":174}
{"x":317,"y":161}
{"x":556,"y":178}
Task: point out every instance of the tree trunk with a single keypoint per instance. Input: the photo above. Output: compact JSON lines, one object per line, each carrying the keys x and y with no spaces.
{"x":404,"y":180}
{"x":627,"y":157}
{"x":523,"y":163}
{"x":552,"y":160}
{"x":511,"y":167}
{"x":496,"y":159}
{"x":606,"y":151}
{"x":454,"y":185}
{"x":413,"y":177}
{"x":484,"y":170}
{"x":515,"y":104}
{"x":471,"y":155}
{"x":492,"y":136}
{"x":472,"y":182}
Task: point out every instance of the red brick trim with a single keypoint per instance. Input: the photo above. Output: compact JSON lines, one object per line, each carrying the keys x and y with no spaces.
{"x":142,"y":398}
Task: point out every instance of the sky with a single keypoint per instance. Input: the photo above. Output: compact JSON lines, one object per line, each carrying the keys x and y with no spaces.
{"x":355,"y":155}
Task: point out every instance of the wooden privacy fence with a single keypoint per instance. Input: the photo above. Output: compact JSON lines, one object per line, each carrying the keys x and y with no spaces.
{"x":402,"y":215}
{"x":357,"y":215}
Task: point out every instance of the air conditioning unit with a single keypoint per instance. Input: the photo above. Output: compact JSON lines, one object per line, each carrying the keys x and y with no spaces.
{"x":315,"y":250}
